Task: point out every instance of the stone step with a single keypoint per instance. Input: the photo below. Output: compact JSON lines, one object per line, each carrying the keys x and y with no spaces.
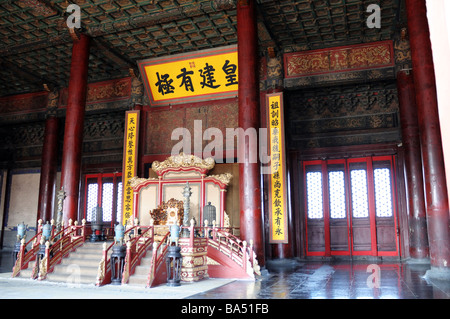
{"x":74,"y":268}
{"x":80,"y":266}
{"x":138,"y":280}
{"x":71,"y":278}
{"x":94,"y":261}
{"x":26,"y":273}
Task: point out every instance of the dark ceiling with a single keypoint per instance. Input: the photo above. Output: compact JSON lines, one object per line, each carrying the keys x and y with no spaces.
{"x":35,"y":44}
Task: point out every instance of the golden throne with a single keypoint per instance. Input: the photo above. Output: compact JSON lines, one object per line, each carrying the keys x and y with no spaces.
{"x":166,"y":214}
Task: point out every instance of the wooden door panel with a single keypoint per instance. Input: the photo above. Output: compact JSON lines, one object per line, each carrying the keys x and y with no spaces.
{"x":386,"y":234}
{"x":361,"y":235}
{"x":339,"y":236}
{"x":351,"y":207}
{"x":316,"y":236}
{"x":384,"y":208}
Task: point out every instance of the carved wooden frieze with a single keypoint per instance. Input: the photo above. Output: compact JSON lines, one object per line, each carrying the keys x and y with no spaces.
{"x":370,"y":61}
{"x":103,"y":138}
{"x":23,"y":103}
{"x":21,"y":145}
{"x":344,"y":115}
{"x":103,"y":93}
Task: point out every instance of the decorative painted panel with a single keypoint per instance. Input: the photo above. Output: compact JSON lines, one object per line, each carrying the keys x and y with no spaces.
{"x":341,"y":59}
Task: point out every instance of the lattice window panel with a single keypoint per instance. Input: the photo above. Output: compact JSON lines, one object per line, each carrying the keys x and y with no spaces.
{"x":360,"y":200}
{"x":336,"y":184}
{"x":92,"y":200}
{"x":119,"y":203}
{"x":107,"y":201}
{"x":383,"y":195}
{"x":314,"y":195}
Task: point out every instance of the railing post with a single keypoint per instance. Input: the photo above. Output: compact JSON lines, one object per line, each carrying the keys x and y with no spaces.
{"x":218,"y":240}
{"x":230,"y":246}
{"x":101,"y":272}
{"x":151,"y":275}
{"x":214,"y":230}
{"x":126,"y":271}
{"x":18,"y":265}
{"x":205,"y":230}
{"x":39,"y":229}
{"x":244,"y":255}
{"x":73,"y":234}
{"x":83,"y":229}
{"x":52,"y":222}
{"x":45,"y":262}
{"x":251,"y":251}
{"x":191,"y":235}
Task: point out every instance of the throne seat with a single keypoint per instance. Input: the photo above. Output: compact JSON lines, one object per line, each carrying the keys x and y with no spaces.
{"x":165,"y":215}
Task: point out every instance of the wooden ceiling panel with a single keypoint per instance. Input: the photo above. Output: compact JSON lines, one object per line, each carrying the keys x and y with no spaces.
{"x":34,"y":34}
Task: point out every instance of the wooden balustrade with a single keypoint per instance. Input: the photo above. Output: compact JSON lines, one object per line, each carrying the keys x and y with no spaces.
{"x":158,"y":259}
{"x":24,"y":257}
{"x":136,"y":249}
{"x":138,"y":240}
{"x":68,"y":239}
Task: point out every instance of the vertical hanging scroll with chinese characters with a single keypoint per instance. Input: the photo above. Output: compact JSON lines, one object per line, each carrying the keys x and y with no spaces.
{"x":129,"y":169}
{"x":191,"y":77}
{"x":277,"y":178}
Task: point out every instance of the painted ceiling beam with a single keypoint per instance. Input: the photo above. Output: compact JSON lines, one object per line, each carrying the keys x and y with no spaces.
{"x":171,"y":15}
{"x":29,"y":77}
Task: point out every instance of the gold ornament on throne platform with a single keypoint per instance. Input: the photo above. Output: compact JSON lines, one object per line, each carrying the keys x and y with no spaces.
{"x":168,"y":213}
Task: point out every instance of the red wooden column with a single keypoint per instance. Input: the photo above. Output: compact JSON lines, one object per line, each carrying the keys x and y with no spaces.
{"x":432,"y":155}
{"x":248,"y":100}
{"x":47,"y":182}
{"x":418,"y":237}
{"x":73,"y":134}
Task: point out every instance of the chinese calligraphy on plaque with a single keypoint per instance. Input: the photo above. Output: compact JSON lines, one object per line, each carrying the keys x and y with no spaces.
{"x":129,"y":162}
{"x":277,"y":183}
{"x":192,"y":77}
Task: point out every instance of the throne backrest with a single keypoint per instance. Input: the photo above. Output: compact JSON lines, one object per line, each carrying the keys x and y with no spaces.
{"x":168,"y":213}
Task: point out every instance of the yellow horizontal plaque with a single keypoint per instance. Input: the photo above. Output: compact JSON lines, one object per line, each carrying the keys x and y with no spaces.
{"x":192,"y":77}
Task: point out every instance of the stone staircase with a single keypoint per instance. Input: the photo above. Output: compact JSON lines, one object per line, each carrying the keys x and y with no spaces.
{"x":80,"y":267}
{"x":26,"y":273}
{"x":140,"y":276}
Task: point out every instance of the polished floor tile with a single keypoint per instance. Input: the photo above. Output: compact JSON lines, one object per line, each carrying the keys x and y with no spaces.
{"x":336,"y":280}
{"x":324,"y":280}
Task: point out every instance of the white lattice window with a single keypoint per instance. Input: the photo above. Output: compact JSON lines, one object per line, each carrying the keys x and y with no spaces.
{"x":336,"y":185}
{"x":107,"y":201}
{"x":314,"y":195}
{"x":360,"y":201}
{"x":119,"y":203}
{"x":92,"y":200}
{"x":383,"y":195}
{"x":104,"y":190}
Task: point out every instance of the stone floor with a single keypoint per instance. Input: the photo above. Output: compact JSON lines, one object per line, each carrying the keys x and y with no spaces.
{"x":336,"y":280}
{"x":285,"y":280}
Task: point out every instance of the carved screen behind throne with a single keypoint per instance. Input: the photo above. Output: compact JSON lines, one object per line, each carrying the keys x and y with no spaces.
{"x":172,"y":176}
